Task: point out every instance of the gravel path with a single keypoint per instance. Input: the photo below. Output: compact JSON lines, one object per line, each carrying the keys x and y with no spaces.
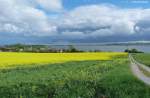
{"x":137,"y":72}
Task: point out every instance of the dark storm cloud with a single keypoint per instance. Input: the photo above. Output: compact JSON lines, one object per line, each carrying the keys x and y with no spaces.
{"x":143,"y":27}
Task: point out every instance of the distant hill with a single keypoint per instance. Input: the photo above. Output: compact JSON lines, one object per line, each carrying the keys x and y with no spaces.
{"x":105,"y":43}
{"x":91,"y":44}
{"x":130,"y":43}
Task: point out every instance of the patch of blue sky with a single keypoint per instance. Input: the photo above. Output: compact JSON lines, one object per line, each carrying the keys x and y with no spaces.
{"x":71,"y":4}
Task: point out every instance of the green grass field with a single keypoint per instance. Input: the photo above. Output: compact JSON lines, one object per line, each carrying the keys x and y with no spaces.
{"x":143,"y":58}
{"x":75,"y":79}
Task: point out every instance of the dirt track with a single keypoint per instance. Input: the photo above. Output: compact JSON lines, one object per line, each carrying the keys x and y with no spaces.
{"x":137,"y":72}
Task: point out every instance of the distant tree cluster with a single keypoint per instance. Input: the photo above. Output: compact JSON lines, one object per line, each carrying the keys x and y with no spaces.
{"x":133,"y":51}
{"x":73,"y":49}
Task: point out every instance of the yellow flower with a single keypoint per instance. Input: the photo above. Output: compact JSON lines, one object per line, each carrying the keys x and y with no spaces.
{"x":9,"y":59}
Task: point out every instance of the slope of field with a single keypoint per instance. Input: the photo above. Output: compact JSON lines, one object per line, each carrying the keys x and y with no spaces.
{"x":8,"y":59}
{"x":75,"y":79}
{"x":143,"y":58}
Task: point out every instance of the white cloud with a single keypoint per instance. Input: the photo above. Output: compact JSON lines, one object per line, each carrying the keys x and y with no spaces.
{"x":20,"y":17}
{"x":26,"y":18}
{"x":102,"y":20}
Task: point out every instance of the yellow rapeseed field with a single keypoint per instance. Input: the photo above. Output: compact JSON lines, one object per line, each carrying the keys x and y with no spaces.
{"x":9,"y":59}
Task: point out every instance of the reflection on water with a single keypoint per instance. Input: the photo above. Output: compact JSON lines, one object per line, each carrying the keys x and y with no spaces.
{"x":115,"y":48}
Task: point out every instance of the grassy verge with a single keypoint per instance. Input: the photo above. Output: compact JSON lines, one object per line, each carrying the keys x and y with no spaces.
{"x":84,"y":79}
{"x":142,"y":58}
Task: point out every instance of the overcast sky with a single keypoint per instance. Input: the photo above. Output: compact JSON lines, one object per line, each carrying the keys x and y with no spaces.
{"x":61,"y":21}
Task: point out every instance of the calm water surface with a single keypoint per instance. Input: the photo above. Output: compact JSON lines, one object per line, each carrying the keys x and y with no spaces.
{"x":114,"y":48}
